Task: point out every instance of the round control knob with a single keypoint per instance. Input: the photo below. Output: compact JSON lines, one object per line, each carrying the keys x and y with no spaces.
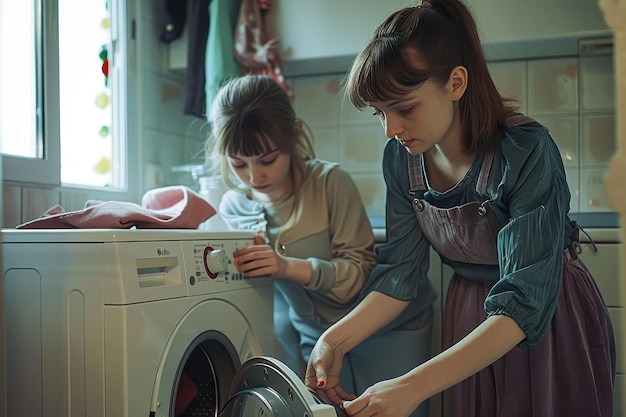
{"x":215,"y":261}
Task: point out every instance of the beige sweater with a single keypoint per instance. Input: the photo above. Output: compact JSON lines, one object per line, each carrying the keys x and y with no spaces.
{"x":332,"y":231}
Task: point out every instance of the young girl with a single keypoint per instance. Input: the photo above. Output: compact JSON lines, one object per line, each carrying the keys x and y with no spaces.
{"x":526,"y":330}
{"x":319,"y":241}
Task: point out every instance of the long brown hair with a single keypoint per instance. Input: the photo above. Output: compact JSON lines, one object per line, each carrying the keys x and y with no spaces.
{"x":246,"y":113}
{"x":444,"y":35}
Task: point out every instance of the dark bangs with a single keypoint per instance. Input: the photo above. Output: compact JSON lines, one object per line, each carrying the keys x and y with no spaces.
{"x":382,"y":72}
{"x":410,"y":47}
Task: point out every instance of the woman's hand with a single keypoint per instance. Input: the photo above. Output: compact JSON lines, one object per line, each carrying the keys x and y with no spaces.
{"x":323,"y":372}
{"x":393,"y":398}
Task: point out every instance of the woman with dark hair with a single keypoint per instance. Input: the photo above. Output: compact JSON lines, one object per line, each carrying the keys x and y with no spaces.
{"x":526,"y":331}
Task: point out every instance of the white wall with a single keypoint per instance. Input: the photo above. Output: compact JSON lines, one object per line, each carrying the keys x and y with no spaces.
{"x":323,"y":28}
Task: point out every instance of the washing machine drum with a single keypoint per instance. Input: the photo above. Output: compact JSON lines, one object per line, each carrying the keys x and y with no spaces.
{"x":264,"y":386}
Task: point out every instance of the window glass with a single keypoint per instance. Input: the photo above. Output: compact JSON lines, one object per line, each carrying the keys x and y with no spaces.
{"x":85,"y":94}
{"x":60,"y":89}
{"x":19,"y":101}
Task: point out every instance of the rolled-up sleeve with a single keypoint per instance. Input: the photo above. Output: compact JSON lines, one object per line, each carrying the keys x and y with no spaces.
{"x":530,"y":246}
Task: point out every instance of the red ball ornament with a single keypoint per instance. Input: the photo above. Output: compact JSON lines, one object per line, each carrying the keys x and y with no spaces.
{"x":105,"y":68}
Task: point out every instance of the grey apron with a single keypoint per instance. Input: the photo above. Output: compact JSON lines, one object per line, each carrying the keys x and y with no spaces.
{"x":466,"y":233}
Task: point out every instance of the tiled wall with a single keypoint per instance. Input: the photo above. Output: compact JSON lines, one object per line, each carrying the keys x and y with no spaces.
{"x":342,"y":134}
{"x":574,"y":97}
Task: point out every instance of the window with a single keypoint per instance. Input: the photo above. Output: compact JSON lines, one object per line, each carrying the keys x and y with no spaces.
{"x":62,"y":78}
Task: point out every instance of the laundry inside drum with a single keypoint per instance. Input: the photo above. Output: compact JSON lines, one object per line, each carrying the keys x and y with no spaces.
{"x":198,"y":390}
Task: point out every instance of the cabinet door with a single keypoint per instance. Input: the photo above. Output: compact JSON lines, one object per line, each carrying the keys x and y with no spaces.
{"x":606,"y":265}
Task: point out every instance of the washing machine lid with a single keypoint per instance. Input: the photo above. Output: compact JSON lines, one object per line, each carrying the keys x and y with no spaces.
{"x":264,"y":386}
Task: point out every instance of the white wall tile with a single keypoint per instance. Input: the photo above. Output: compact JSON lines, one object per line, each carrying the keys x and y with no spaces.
{"x":161,"y":152}
{"x":73,"y":199}
{"x":317,"y":100}
{"x":598,"y":140}
{"x":510,"y":79}
{"x":35,"y":201}
{"x":553,"y":85}
{"x":593,"y":197}
{"x":362,"y":147}
{"x":372,"y":189}
{"x":161,"y":103}
{"x":326,"y":143}
{"x":597,"y":83}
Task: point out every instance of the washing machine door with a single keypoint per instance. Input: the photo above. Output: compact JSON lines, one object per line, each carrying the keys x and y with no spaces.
{"x":264,"y":386}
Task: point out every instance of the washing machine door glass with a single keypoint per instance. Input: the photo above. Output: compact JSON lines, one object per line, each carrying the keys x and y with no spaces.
{"x":264,"y":386}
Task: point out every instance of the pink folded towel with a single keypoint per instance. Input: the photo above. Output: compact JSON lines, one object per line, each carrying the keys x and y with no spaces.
{"x":174,"y":207}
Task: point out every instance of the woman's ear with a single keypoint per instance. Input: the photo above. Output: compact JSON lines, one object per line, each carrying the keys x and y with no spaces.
{"x":458,"y":82}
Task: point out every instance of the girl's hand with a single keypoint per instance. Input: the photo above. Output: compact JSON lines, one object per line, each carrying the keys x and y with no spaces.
{"x":323,"y":371}
{"x":393,"y":398}
{"x":258,"y":260}
{"x":261,"y":260}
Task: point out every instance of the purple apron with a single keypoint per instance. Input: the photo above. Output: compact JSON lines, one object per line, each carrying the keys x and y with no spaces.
{"x":532,"y":382}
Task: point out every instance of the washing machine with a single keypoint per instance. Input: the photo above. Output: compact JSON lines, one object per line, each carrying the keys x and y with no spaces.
{"x":140,"y":323}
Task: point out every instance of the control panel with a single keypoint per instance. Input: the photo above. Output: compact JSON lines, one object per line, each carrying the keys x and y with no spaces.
{"x":161,"y":269}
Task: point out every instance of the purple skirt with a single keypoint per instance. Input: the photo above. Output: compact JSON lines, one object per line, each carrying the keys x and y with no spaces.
{"x":570,"y":373}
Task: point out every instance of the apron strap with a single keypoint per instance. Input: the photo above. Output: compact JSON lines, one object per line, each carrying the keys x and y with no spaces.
{"x":518,"y":119}
{"x":485,"y":170}
{"x":491,"y":160}
{"x":416,"y":173}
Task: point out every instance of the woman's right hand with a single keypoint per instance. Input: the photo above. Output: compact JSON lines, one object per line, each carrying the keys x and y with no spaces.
{"x":323,"y":372}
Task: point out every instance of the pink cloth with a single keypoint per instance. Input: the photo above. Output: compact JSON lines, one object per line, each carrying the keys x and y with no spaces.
{"x":175,"y":207}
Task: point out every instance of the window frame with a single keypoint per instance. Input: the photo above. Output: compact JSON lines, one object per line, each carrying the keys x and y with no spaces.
{"x":46,"y":171}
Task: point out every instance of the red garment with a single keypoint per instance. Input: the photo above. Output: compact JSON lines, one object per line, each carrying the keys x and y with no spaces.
{"x":175,"y":207}
{"x":253,"y":50}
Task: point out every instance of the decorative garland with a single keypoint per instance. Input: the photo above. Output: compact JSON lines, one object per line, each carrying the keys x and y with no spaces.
{"x":103,"y":166}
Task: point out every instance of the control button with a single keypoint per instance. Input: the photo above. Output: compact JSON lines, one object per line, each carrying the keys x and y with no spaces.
{"x":215,"y":261}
